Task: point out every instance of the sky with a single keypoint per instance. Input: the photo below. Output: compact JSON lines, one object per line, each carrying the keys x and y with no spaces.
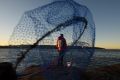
{"x":106,"y":14}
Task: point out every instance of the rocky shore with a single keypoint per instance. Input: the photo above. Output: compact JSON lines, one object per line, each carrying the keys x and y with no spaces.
{"x":63,"y":73}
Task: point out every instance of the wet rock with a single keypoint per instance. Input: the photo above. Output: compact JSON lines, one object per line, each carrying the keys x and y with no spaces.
{"x":7,"y":72}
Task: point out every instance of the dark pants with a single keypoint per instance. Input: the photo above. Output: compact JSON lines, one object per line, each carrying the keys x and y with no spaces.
{"x":60,"y":58}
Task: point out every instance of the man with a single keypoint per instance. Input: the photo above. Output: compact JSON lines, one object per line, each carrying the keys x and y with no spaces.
{"x":61,"y":47}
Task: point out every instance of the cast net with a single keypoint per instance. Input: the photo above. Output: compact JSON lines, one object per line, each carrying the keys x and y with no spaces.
{"x":37,"y":32}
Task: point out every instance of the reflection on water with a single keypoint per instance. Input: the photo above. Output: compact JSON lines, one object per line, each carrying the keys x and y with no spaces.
{"x":105,"y":57}
{"x":107,"y":53}
{"x":100,"y":58}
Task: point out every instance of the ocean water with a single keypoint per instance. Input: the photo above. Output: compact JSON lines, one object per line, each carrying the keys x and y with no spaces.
{"x":104,"y":57}
{"x":101,"y":57}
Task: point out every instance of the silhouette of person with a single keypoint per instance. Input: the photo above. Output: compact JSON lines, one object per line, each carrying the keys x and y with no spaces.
{"x":61,"y":47}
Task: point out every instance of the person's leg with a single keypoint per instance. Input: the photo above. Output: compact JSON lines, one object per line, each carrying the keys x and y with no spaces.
{"x":61,"y":56}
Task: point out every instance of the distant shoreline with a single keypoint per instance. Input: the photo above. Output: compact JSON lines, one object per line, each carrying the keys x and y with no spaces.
{"x":46,"y":46}
{"x":53,"y":46}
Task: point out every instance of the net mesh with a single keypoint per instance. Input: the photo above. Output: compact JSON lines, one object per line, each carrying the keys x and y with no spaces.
{"x":37,"y":22}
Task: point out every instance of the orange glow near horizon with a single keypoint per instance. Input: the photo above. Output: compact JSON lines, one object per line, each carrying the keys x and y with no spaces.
{"x":106,"y":45}
{"x":3,"y":43}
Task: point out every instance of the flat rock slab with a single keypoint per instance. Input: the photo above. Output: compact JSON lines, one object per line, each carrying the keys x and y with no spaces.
{"x":52,"y":73}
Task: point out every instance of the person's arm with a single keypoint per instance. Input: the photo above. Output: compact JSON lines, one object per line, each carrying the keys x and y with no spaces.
{"x":58,"y":44}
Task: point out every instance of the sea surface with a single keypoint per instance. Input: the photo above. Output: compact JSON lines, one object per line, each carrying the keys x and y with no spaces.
{"x":101,"y":57}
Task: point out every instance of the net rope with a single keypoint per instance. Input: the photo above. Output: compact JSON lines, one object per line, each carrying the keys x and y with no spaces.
{"x":40,"y":27}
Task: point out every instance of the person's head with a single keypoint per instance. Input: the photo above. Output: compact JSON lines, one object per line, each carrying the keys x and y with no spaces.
{"x":61,"y":35}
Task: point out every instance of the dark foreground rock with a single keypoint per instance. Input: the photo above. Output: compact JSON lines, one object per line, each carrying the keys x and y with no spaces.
{"x":64,"y":73}
{"x":104,"y":73}
{"x":52,"y":73}
{"x":7,"y":72}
